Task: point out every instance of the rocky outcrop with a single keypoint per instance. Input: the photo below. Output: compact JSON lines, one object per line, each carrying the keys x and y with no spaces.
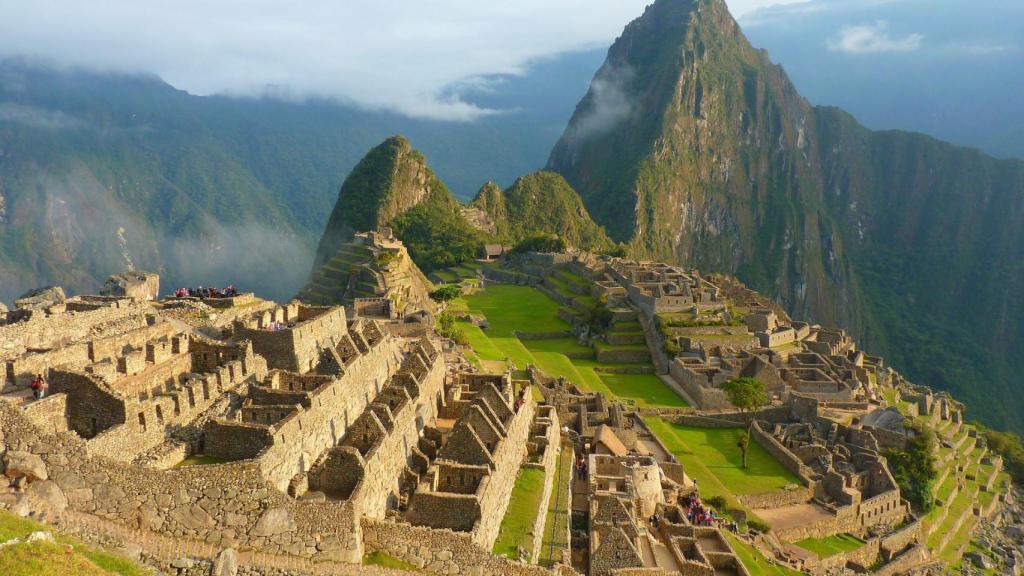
{"x":19,"y":464}
{"x":41,"y":298}
{"x":388,"y":181}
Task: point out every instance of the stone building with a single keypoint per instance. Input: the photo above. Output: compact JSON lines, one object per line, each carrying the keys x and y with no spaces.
{"x":467,"y":486}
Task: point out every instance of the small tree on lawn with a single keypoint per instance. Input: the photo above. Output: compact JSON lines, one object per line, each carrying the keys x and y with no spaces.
{"x":749,"y":396}
{"x":446,"y":293}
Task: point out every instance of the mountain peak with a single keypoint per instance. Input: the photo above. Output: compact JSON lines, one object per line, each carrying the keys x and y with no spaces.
{"x":392,"y":178}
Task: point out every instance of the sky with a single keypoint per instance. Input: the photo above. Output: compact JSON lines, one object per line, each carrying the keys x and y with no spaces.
{"x":397,"y":55}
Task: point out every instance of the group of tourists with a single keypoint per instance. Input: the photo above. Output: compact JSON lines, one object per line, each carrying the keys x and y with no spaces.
{"x":696,"y":512}
{"x":208,"y":292}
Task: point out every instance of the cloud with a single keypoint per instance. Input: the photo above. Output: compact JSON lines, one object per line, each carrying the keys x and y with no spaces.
{"x":389,"y":54}
{"x":981,"y":47}
{"x":36,"y":117}
{"x":873,"y":39}
{"x":609,"y":102}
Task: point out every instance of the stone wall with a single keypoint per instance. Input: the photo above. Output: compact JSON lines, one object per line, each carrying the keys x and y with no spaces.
{"x":49,"y":414}
{"x":549,"y":463}
{"x":58,"y":330}
{"x":443,"y":552}
{"x":383,"y":466}
{"x":228,"y":505}
{"x":299,"y":439}
{"x":507,"y":458}
{"x":788,"y":460}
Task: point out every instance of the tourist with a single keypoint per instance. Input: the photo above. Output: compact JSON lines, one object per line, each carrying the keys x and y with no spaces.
{"x":39,"y":387}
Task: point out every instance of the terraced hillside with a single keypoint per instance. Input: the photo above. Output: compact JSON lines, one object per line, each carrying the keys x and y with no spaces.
{"x":366,"y":269}
{"x":970,"y":482}
{"x":527,"y":325}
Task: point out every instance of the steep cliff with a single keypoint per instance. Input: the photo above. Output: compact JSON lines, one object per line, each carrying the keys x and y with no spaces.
{"x":540,"y":202}
{"x":692,"y":146}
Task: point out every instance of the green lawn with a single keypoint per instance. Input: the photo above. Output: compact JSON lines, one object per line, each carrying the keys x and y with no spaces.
{"x":832,"y":545}
{"x":509,"y":308}
{"x":710,"y":456}
{"x":379,"y":558}
{"x":523,"y":507}
{"x":521,"y":308}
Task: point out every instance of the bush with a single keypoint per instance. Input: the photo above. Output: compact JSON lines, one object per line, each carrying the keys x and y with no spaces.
{"x":760,"y":526}
{"x":446,"y":293}
{"x":600,"y":319}
{"x":716,"y":502}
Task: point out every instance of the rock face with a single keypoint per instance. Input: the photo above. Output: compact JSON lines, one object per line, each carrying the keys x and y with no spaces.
{"x":137,"y":285}
{"x":41,"y":298}
{"x":19,"y":464}
{"x":695,"y":148}
{"x":226,"y":563}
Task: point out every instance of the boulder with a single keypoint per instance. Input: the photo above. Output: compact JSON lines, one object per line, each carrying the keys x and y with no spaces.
{"x":274,"y":521}
{"x":226,"y":563}
{"x":49,"y":494}
{"x":20,"y":464}
{"x":981,"y":560}
{"x":41,"y":298}
{"x":39,"y":536}
{"x":136,"y":285}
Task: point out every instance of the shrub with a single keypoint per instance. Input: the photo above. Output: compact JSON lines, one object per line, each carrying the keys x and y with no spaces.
{"x":446,"y":293}
{"x":716,"y":502}
{"x":759,"y":525}
{"x":446,"y":327}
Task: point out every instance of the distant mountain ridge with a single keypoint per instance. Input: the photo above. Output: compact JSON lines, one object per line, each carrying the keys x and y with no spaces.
{"x":694,"y":147}
{"x":97,"y":170}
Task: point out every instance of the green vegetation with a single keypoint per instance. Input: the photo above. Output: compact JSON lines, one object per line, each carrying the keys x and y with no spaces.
{"x":914,"y":468}
{"x":511,"y":309}
{"x":449,"y":328}
{"x":1009,"y":446}
{"x":446,"y":293}
{"x":542,"y":242}
{"x":831,"y":545}
{"x":65,"y":557}
{"x":523,"y":507}
{"x":709,"y":456}
{"x":543,"y":207}
{"x":436,"y":234}
{"x":378,"y":558}
{"x":748,"y":395}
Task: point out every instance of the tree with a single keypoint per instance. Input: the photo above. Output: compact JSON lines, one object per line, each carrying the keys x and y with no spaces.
{"x":446,"y":293}
{"x":749,"y":396}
